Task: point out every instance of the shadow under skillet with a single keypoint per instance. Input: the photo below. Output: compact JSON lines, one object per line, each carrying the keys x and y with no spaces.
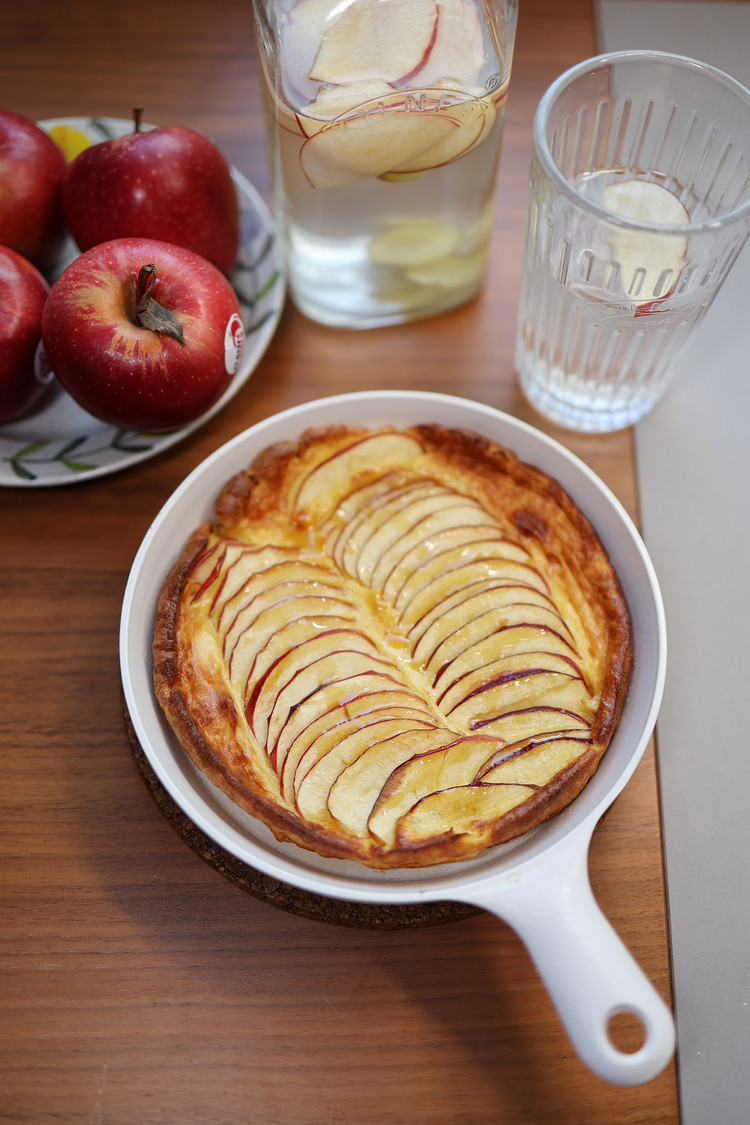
{"x":286,"y":897}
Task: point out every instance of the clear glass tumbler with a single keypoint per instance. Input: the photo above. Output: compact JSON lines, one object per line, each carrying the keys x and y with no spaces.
{"x":639,"y":205}
{"x":384,"y":122}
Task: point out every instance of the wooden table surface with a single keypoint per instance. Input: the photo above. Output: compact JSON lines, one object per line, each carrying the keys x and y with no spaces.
{"x":138,"y":984}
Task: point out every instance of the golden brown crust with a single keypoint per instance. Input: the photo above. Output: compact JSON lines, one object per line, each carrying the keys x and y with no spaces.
{"x":400,"y":647}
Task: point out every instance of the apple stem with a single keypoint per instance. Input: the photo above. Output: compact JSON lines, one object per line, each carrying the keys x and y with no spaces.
{"x":149,"y":313}
{"x":137,"y":118}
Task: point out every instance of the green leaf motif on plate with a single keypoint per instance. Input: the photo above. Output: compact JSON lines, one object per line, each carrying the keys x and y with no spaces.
{"x":123,"y":441}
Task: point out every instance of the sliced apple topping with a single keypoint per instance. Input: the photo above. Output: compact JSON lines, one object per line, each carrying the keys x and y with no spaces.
{"x":465,"y":811}
{"x":533,"y":762}
{"x":330,"y":712}
{"x":649,"y":262}
{"x":389,"y":738}
{"x":423,"y":773}
{"x":402,"y":664}
{"x":333,"y":476}
{"x":358,"y":712}
{"x":524,"y":723}
{"x":358,"y":784}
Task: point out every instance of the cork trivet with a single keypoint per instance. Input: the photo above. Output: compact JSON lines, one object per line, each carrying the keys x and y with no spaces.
{"x":286,"y":897}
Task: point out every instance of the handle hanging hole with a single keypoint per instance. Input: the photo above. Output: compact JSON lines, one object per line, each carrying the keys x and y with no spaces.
{"x":626,"y":1031}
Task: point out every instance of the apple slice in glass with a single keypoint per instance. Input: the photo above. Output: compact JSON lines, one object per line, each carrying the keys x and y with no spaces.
{"x":649,"y":262}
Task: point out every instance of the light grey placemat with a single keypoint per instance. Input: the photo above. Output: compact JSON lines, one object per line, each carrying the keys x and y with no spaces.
{"x":693,"y":458}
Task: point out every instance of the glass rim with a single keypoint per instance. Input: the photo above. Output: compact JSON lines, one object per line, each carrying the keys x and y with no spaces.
{"x":544,"y":155}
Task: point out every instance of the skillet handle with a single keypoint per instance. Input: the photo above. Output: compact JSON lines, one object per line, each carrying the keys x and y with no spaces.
{"x":588,"y":972}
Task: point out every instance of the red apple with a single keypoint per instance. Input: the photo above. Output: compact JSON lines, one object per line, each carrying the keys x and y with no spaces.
{"x":23,"y":292}
{"x":142,"y":333}
{"x":31,"y":171}
{"x":171,"y":184}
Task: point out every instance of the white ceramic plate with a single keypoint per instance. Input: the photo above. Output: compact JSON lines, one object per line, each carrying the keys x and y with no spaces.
{"x":58,"y":443}
{"x":537,"y":883}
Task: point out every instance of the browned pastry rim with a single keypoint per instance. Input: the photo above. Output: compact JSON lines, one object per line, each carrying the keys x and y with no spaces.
{"x":375,"y":518}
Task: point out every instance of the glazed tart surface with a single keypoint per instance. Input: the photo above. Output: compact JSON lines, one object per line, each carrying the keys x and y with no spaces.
{"x":395,"y":646}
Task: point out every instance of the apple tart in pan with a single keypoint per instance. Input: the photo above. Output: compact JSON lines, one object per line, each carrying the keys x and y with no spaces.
{"x":394,"y":646}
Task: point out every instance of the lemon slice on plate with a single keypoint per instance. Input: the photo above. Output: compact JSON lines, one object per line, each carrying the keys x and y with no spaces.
{"x":70,"y":139}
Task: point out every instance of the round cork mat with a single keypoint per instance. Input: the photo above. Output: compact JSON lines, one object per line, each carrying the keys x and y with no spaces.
{"x":286,"y":897}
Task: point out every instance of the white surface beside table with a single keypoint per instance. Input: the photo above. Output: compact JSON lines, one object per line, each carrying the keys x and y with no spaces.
{"x":693,"y":460}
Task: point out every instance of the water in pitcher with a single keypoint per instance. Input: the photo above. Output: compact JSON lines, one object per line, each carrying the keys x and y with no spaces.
{"x":387,"y":120}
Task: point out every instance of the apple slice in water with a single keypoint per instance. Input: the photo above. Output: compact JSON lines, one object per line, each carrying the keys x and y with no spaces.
{"x":383,"y":39}
{"x":371,"y":143}
{"x":471,"y":116}
{"x":395,"y":137}
{"x":301,"y":31}
{"x":458,"y":52}
{"x":476,"y":125}
{"x":335,"y":101}
{"x":285,"y":117}
{"x":649,"y":262}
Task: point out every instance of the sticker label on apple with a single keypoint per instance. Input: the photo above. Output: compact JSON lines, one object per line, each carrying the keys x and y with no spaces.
{"x":234,"y":343}
{"x":43,"y":373}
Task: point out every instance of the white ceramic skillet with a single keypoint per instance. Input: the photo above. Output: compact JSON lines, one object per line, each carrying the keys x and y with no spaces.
{"x":539,"y":883}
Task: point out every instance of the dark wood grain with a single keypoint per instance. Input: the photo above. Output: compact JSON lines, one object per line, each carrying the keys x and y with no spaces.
{"x":137,"y":984}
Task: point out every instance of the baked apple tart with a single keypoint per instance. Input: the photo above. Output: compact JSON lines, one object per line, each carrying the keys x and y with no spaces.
{"x":399,"y":646}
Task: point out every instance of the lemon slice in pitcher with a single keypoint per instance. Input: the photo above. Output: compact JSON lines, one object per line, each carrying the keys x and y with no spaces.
{"x":453,"y":271}
{"x":650,"y":262}
{"x":414,"y":242}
